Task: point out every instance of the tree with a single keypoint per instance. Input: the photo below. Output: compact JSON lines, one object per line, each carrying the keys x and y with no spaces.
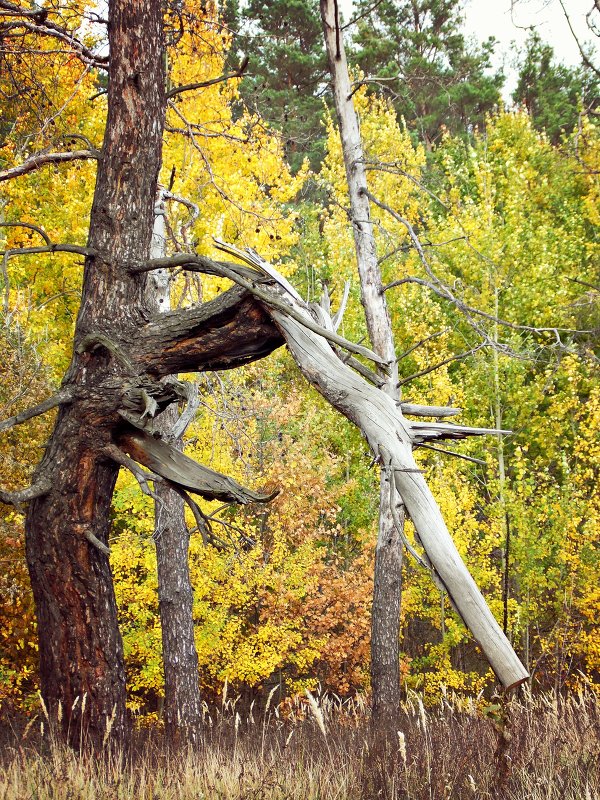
{"x":416,"y":54}
{"x":387,"y":585}
{"x":113,"y":366}
{"x":286,"y":72}
{"x":553,"y":94}
{"x":123,"y":355}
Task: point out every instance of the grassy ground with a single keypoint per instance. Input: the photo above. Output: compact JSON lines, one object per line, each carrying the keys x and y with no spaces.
{"x":539,"y":747}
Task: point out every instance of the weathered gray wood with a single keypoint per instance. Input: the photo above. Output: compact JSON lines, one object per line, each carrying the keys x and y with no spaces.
{"x":391,"y":441}
{"x":387,"y":581}
{"x":165,"y":460}
{"x":417,"y":410}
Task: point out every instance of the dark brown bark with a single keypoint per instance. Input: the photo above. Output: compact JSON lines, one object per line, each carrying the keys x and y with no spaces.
{"x":230,"y":331}
{"x":81,"y":658}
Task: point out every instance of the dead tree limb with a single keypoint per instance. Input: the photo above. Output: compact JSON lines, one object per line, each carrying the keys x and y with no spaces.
{"x":172,"y":465}
{"x":190,"y":87}
{"x":64,"y":396}
{"x":17,"y":498}
{"x":39,"y":160}
{"x":391,"y":441}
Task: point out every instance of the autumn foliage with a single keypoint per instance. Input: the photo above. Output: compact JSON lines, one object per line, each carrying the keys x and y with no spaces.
{"x":282,"y":595}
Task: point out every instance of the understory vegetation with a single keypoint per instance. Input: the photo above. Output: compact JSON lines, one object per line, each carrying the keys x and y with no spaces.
{"x":532,"y":748}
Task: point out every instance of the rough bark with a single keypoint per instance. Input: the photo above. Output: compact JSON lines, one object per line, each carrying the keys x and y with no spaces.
{"x":182,"y":713}
{"x":183,"y":702}
{"x":387,"y":584}
{"x":230,"y":331}
{"x":81,"y":657}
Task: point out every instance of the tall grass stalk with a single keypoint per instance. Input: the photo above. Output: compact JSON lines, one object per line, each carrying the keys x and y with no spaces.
{"x":551,"y":751}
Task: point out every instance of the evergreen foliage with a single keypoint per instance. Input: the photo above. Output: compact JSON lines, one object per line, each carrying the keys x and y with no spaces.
{"x":436,"y":79}
{"x":553,"y":94}
{"x":286,"y":78}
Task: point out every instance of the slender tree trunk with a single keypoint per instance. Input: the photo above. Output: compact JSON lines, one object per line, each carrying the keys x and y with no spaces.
{"x":183,"y":703}
{"x":387,"y":588}
{"x":81,"y":655}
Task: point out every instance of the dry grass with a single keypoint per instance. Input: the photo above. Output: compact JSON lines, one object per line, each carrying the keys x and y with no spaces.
{"x":540,"y":747}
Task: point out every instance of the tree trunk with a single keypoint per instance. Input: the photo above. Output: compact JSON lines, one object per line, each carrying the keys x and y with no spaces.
{"x":183,"y":703}
{"x":81,"y":655}
{"x":387,"y":586}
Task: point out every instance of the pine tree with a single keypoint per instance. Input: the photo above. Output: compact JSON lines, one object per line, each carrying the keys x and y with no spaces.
{"x":435,"y":77}
{"x":553,"y":93}
{"x":286,"y":75}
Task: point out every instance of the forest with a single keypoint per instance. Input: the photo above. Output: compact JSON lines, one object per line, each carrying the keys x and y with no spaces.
{"x":300,"y":408}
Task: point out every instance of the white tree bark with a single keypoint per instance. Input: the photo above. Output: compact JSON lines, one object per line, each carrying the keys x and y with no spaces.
{"x":387,"y":581}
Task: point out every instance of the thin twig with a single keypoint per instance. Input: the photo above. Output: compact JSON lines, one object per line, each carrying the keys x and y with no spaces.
{"x":190,"y":87}
{"x":453,"y":453}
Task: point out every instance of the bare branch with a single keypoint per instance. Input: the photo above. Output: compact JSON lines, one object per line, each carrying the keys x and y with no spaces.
{"x":593,"y":286}
{"x":453,"y":453}
{"x":92,"y":539}
{"x":39,"y":160}
{"x":29,"y":225}
{"x":190,"y":87}
{"x":21,"y":496}
{"x":52,"y":248}
{"x":422,"y":342}
{"x":425,"y":431}
{"x":427,"y":370}
{"x":172,"y":465}
{"x":64,"y":396}
{"x":36,"y":21}
{"x":121,"y":458}
{"x":584,"y":56}
{"x":188,"y":413}
{"x":271,"y":301}
{"x":398,"y":522}
{"x":92,"y":341}
{"x":417,"y":410}
{"x":443,"y":290}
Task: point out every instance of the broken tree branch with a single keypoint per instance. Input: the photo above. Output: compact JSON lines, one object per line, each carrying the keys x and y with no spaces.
{"x":121,"y":458}
{"x":248,"y":280}
{"x":417,"y":410}
{"x":391,"y":441}
{"x":172,"y":465}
